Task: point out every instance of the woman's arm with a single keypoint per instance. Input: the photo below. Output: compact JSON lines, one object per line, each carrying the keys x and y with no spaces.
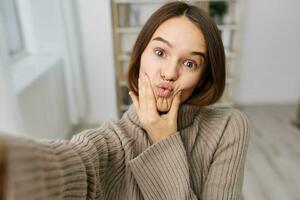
{"x":225,"y":177}
{"x":2,"y":170}
{"x":162,"y":171}
{"x":56,"y":169}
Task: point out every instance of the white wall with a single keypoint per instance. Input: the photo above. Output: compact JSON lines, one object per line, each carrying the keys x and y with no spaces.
{"x":40,"y":108}
{"x":95,"y":21}
{"x":9,"y":118}
{"x":270,"y":62}
{"x":39,"y":111}
{"x":43,"y":106}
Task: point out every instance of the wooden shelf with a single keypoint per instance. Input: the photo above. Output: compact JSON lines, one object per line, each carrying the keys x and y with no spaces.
{"x":123,"y":57}
{"x":223,"y":104}
{"x":123,"y":83}
{"x":124,"y":107}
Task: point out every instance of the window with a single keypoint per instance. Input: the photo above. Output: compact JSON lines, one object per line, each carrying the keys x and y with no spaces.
{"x":12,"y":27}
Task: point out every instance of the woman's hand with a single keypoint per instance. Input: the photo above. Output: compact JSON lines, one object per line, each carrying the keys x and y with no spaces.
{"x":157,"y":126}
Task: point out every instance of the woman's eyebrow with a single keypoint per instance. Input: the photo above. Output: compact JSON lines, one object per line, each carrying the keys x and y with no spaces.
{"x":163,"y":40}
{"x":158,"y":38}
{"x":198,"y":53}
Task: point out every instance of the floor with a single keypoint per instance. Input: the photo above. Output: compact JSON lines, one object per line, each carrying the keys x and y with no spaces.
{"x":273,"y":162}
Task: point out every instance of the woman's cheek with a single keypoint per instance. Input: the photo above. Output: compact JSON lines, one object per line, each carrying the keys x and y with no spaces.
{"x":187,"y":86}
{"x":147,"y":63}
{"x":151,"y":68}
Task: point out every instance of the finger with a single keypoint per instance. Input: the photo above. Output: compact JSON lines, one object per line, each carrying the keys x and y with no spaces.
{"x":150,"y":99}
{"x":142,"y":99}
{"x":175,"y":106}
{"x":135,"y":100}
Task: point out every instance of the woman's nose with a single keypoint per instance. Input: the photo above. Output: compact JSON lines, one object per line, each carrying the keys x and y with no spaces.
{"x":170,"y":71}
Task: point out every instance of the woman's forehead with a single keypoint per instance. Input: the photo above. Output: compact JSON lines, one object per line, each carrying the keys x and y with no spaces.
{"x":181,"y":32}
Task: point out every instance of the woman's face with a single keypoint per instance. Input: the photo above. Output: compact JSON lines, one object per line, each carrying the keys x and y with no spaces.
{"x":174,"y":60}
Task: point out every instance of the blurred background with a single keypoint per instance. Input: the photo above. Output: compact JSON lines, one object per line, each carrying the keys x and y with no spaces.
{"x":63,"y":66}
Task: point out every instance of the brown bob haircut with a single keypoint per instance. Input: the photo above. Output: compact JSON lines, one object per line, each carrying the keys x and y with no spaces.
{"x":212,"y":83}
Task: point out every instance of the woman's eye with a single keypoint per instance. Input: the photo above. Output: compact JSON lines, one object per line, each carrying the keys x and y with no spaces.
{"x":159,"y":52}
{"x":190,"y":64}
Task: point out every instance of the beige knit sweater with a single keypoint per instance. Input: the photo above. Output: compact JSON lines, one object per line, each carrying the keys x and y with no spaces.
{"x":204,"y":160}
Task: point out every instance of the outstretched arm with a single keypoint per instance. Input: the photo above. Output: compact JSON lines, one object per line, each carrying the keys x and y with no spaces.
{"x":55,"y":169}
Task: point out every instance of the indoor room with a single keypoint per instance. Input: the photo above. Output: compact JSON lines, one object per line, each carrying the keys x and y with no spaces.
{"x":220,"y":122}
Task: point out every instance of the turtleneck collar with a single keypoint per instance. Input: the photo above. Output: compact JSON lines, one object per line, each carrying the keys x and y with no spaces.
{"x":186,"y":115}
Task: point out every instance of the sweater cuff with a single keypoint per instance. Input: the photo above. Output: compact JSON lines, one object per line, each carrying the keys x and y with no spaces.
{"x":161,"y":171}
{"x":34,"y":171}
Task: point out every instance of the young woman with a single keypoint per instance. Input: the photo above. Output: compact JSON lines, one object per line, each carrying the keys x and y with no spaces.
{"x":169,"y":145}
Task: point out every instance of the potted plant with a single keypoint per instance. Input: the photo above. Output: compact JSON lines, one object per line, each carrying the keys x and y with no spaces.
{"x":217,"y":10}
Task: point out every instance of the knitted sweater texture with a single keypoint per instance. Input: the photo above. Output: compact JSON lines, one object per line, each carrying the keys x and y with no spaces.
{"x":204,"y":160}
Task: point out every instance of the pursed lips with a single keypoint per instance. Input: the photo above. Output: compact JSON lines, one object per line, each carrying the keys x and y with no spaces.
{"x":164,"y":89}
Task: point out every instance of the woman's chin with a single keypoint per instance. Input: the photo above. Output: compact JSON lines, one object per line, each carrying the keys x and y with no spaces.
{"x":163,"y":105}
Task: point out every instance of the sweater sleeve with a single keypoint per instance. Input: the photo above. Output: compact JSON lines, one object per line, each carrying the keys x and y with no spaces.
{"x":225,"y":177}
{"x":55,"y":169}
{"x":162,"y":172}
